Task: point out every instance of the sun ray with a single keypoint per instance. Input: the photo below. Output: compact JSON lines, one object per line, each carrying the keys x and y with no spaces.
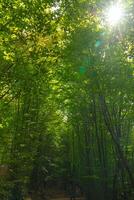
{"x":114,"y":14}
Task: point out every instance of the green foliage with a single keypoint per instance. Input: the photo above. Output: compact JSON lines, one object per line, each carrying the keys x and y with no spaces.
{"x":66,"y":98}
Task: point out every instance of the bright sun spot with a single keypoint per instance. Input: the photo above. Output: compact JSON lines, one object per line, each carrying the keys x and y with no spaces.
{"x":114,"y":14}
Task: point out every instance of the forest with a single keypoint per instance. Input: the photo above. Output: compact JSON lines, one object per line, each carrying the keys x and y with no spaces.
{"x":67,"y":99}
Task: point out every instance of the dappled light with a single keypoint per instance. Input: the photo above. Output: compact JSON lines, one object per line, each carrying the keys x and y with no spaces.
{"x":66,"y":100}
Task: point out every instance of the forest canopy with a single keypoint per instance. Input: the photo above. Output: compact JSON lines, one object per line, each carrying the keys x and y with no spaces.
{"x":67,"y":97}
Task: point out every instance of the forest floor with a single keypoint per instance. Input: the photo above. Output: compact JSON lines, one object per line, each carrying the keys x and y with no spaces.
{"x":57,"y":196}
{"x":54,"y":193}
{"x":61,"y":195}
{"x":67,"y":198}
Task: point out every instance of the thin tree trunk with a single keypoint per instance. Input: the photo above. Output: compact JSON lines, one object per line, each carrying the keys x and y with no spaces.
{"x":112,"y":131}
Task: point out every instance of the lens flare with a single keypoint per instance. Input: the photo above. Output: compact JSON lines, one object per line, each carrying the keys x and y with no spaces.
{"x":114,"y":14}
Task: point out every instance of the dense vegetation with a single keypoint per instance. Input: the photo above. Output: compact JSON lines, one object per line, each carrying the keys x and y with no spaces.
{"x":66,"y":98}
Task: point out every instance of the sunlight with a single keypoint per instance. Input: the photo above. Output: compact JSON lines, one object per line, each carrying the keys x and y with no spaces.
{"x":114,"y":14}
{"x":56,"y":6}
